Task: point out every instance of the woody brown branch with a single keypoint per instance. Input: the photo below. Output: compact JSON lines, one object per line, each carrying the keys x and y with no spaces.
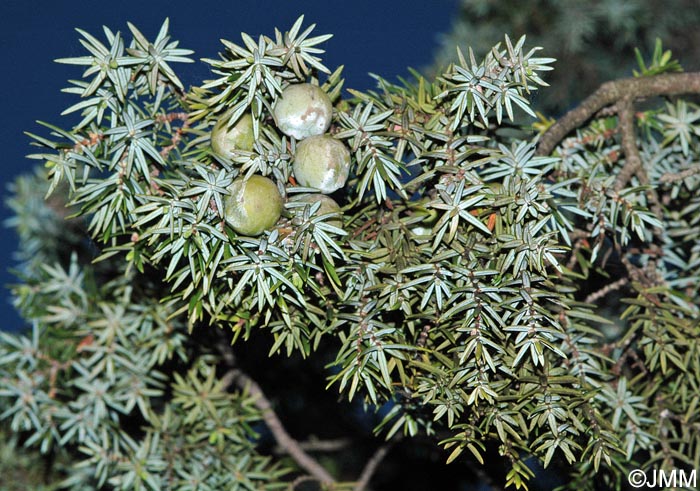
{"x":371,"y":466}
{"x":633,"y":163}
{"x":295,"y":449}
{"x":284,"y":440}
{"x":610,"y":93}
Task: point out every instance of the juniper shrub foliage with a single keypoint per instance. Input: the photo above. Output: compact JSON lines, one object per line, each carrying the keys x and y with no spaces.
{"x":490,"y":292}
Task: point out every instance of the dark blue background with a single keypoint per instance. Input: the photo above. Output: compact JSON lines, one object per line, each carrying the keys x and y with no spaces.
{"x":382,"y":37}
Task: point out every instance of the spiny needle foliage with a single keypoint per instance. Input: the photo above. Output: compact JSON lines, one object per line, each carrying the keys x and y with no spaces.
{"x":593,"y":40}
{"x":462,"y":288}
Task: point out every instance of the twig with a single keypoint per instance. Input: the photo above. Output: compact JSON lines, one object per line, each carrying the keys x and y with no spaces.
{"x":320,"y":445}
{"x":669,"y":177}
{"x":284,"y":440}
{"x":371,"y":466}
{"x":611,"y":92}
{"x":598,"y":294}
{"x":298,"y":481}
{"x":635,"y":274}
{"x":633,"y":163}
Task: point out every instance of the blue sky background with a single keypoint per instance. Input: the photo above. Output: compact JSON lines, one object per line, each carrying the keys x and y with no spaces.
{"x":370,"y":36}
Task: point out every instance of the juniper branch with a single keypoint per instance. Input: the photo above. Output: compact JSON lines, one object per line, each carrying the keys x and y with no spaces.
{"x":610,"y":93}
{"x":283,"y":438}
{"x":669,"y":177}
{"x":610,"y":287}
{"x":633,"y":164}
{"x":371,"y":466}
